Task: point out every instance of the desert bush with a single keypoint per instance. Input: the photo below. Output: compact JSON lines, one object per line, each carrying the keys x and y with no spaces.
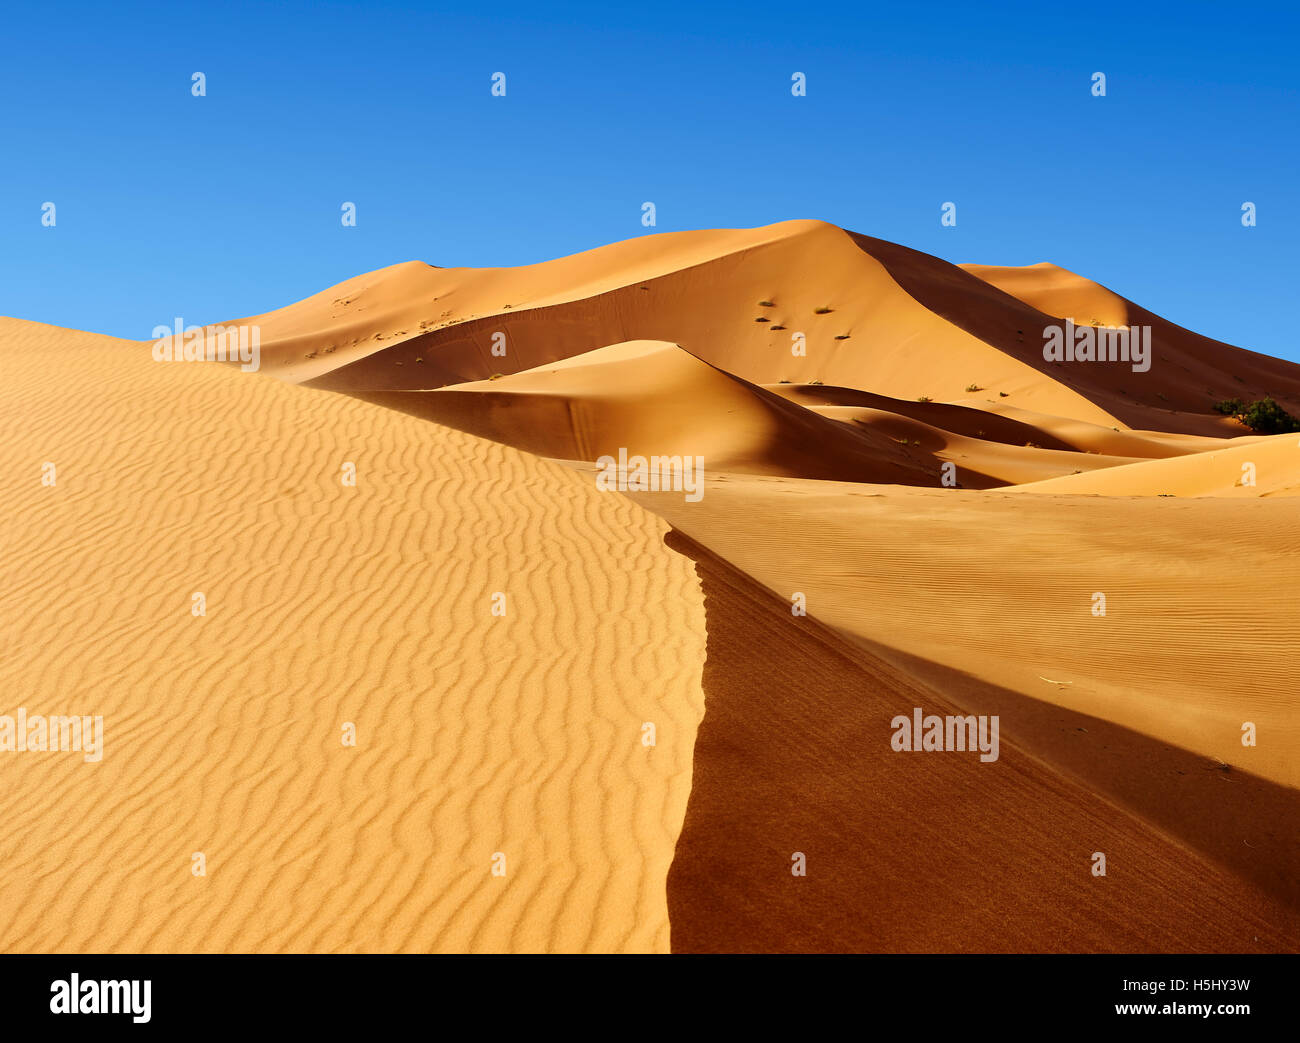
{"x":1268,"y":418}
{"x":1264,"y":416}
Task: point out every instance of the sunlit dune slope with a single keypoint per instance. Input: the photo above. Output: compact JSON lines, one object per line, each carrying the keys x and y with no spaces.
{"x":476,"y":734}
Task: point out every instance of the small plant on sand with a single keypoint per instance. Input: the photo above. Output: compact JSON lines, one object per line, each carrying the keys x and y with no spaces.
{"x":776,"y":327}
{"x":814,"y":382}
{"x":841,"y":336}
{"x":496,"y":376}
{"x":1004,"y":394}
{"x":767,"y":304}
{"x":821,"y":311}
{"x":973,"y":387}
{"x":925,"y":398}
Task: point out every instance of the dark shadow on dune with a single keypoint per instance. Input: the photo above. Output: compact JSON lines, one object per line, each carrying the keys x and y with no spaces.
{"x":910,"y":852}
{"x":1244,"y":822}
{"x":961,"y":420}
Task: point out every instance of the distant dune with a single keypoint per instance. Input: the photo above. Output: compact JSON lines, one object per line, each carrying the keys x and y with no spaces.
{"x":1089,"y":550}
{"x":652,"y":397}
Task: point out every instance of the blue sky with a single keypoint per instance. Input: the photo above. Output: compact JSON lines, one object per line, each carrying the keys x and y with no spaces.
{"x":228,"y":205}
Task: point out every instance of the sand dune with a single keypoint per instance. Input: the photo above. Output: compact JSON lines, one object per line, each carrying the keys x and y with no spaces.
{"x":1056,"y":291}
{"x":412,"y":301}
{"x":872,"y":316}
{"x":652,"y":398}
{"x":999,"y":452}
{"x":740,"y":311}
{"x":1264,"y":467}
{"x":881,"y":435}
{"x":325,"y":604}
{"x":1191,"y":371}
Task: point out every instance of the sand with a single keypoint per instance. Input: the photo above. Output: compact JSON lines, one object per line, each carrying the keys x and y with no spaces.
{"x":476,"y":734}
{"x":881,"y":436}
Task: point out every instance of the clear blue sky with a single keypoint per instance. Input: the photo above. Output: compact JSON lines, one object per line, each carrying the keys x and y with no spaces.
{"x":227,"y":205}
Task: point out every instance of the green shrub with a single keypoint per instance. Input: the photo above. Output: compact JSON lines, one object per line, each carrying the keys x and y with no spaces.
{"x":1268,"y":418}
{"x":1265,"y":416}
